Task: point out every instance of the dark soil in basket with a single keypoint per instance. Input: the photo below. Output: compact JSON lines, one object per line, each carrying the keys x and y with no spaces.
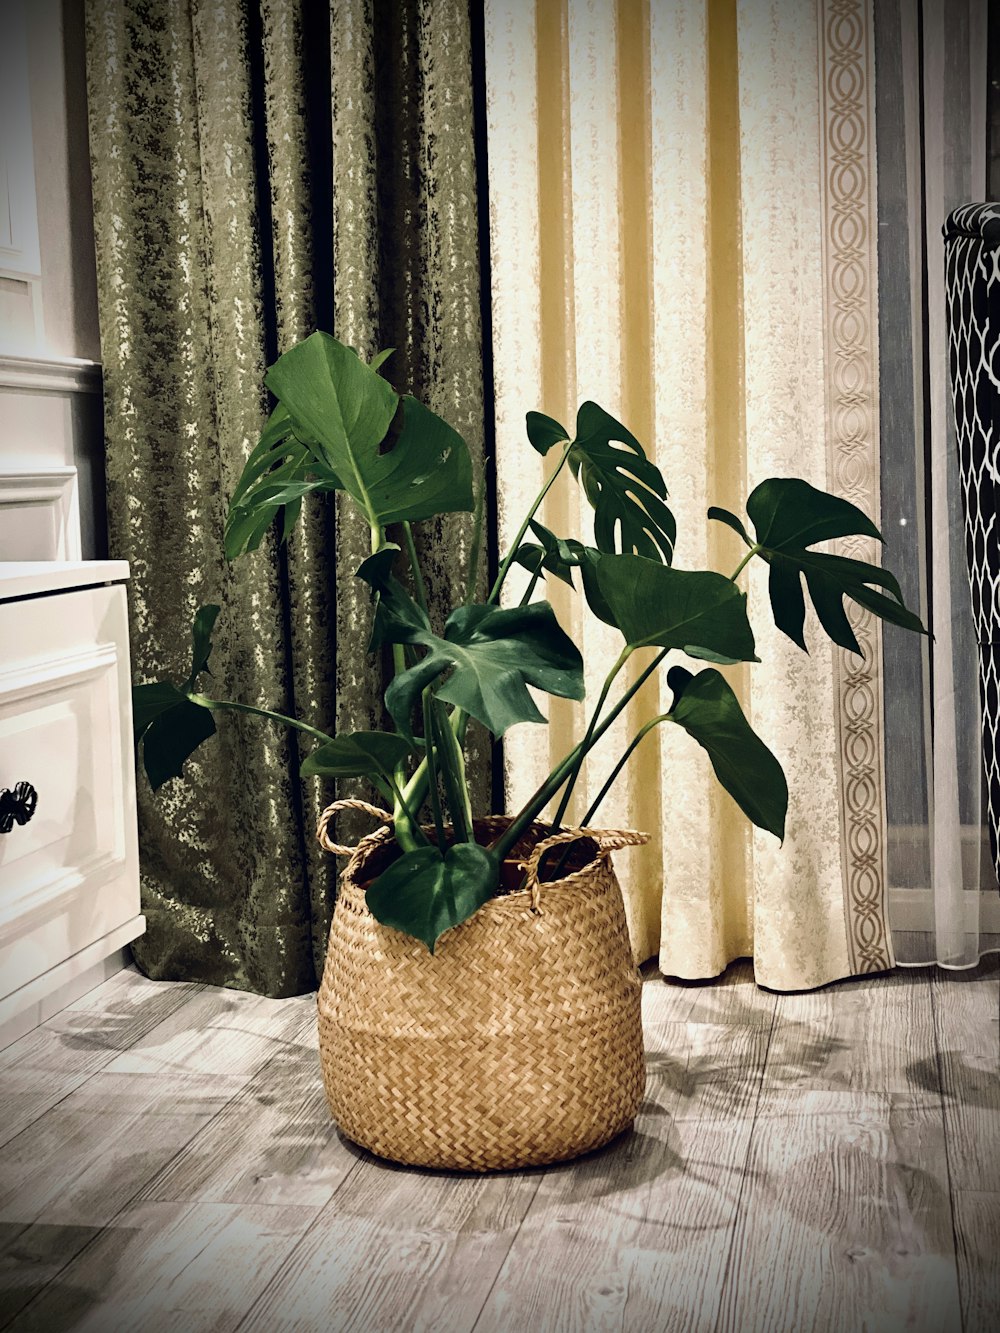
{"x":580,"y":854}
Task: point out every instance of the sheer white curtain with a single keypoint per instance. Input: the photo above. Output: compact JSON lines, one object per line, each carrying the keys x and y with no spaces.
{"x":931,"y":85}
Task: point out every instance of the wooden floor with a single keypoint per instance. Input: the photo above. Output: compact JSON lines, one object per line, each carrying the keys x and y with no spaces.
{"x":825,"y":1161}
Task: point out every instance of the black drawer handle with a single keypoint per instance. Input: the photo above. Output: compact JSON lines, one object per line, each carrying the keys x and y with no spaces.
{"x":17,"y":805}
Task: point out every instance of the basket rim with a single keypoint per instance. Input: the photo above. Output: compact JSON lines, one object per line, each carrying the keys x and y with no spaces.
{"x":579,"y":879}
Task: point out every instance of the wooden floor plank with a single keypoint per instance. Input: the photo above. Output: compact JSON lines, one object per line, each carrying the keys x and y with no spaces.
{"x":398,"y":1249}
{"x":275,"y":1142}
{"x":732,"y":998}
{"x":168,"y":1266}
{"x":845,"y":1224}
{"x":78,"y":1042}
{"x":843,"y":1045}
{"x":967,"y":1018}
{"x":637,"y":1236}
{"x":977,"y":1234}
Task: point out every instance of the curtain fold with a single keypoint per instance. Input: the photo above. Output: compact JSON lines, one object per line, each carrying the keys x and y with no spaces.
{"x":682,"y":228}
{"x":932,"y":140}
{"x":261,"y":170}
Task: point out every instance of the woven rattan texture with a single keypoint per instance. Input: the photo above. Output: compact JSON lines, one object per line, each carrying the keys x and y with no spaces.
{"x":518,"y":1042}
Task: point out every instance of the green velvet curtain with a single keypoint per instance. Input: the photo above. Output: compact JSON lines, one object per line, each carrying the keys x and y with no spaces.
{"x":262,"y":168}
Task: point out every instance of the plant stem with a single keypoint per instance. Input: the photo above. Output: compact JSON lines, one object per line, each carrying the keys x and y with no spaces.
{"x":531,"y":587}
{"x":743,"y":563}
{"x":227,"y":705}
{"x":476,"y":549}
{"x":432,"y":776}
{"x":456,"y":788}
{"x":609,"y":680}
{"x":653,"y":722}
{"x":541,"y":797}
{"x":409,"y":834}
{"x":418,"y":579}
{"x":536,"y":504}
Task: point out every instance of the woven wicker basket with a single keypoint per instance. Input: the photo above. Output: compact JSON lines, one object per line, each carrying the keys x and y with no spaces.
{"x":518,"y":1042}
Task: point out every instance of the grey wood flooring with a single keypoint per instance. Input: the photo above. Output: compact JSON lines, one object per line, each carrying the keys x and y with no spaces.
{"x":817,"y":1162}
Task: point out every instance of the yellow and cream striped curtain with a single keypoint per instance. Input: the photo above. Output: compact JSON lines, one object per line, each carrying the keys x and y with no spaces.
{"x":682,"y":228}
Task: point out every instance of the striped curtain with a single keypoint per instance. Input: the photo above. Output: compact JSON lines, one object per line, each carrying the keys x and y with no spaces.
{"x":682,"y":207}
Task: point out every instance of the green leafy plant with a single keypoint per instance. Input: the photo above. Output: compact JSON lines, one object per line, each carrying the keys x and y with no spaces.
{"x":339,"y":426}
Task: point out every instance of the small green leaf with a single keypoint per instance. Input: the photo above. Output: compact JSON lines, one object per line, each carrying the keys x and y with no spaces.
{"x":423,"y":894}
{"x":707,"y":709}
{"x":731,"y":521}
{"x":789,"y":516}
{"x":360,"y":754}
{"x":555,"y":555}
{"x":380,"y":358}
{"x":651,"y":604}
{"x":625,"y":488}
{"x":172,"y":738}
{"x":201,"y":641}
{"x":544,"y":432}
{"x":165,"y":720}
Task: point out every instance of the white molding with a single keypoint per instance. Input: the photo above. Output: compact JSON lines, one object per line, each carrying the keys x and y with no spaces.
{"x":32,"y":677}
{"x":54,"y":488}
{"x":50,"y":374}
{"x":79,"y":964}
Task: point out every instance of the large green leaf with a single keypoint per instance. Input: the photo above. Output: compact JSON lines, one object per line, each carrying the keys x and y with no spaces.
{"x":625,"y":488}
{"x":359,"y":754}
{"x":169,"y":725}
{"x":492,"y":656}
{"x":789,"y":516}
{"x":708,"y":710}
{"x":424,"y":893}
{"x":651,"y":604}
{"x":336,"y":399}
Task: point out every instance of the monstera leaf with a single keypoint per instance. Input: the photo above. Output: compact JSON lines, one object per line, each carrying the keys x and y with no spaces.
{"x":789,"y":516}
{"x":359,"y":754}
{"x":333,"y":397}
{"x":551,"y":554}
{"x":651,"y":604}
{"x":624,"y":487}
{"x":708,"y":710}
{"x":279,"y":472}
{"x":425,"y":893}
{"x":492,"y":655}
{"x":168,"y":724}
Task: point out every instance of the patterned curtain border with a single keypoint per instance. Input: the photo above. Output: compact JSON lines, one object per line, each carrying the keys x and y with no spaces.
{"x":847,"y":92}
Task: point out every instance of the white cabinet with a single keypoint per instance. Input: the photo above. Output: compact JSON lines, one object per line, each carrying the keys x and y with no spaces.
{"x":69,"y":869}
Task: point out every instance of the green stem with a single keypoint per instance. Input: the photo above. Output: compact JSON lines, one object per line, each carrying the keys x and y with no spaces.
{"x":609,"y":680}
{"x":204,"y":702}
{"x":476,"y":548}
{"x":409,"y":834}
{"x":418,"y":579}
{"x":432,"y":776}
{"x":644,"y":731}
{"x":541,"y":797}
{"x":531,"y":587}
{"x":456,"y":788}
{"x":536,"y":504}
{"x":743,"y":563}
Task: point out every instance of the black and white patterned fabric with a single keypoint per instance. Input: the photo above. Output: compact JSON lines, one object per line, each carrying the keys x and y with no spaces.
{"x":972,"y":278}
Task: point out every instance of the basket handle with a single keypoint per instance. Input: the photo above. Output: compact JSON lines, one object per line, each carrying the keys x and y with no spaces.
{"x":321,"y":828}
{"x":607,"y":840}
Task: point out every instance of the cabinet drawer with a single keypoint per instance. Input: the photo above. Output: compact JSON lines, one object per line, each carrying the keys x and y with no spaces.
{"x":65,"y":723}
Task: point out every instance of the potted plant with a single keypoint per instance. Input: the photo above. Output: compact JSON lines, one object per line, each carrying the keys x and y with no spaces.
{"x":480,"y":1005}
